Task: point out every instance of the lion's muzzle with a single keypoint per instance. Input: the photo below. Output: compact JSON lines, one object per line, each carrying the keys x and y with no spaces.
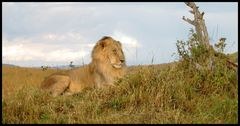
{"x":119,"y":65}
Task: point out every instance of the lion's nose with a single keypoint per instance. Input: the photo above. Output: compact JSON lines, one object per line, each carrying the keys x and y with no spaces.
{"x":122,"y":60}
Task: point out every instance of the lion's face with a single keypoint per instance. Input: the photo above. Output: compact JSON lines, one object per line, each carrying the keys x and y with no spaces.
{"x":110,"y":51}
{"x":115,"y":55}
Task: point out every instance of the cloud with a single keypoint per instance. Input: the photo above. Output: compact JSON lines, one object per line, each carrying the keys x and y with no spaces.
{"x":53,"y":37}
{"x":26,"y":50}
{"x":66,"y":38}
{"x":126,"y":40}
{"x":37,"y":18}
{"x":20,"y":51}
{"x":65,"y":55}
{"x":54,"y":47}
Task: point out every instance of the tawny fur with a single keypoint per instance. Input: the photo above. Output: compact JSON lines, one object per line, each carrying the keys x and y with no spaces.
{"x":107,"y":65}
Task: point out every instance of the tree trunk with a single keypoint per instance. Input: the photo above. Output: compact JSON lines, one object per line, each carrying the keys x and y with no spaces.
{"x":198,"y":23}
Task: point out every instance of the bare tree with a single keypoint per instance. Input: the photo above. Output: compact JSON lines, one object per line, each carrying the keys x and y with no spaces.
{"x":198,"y":23}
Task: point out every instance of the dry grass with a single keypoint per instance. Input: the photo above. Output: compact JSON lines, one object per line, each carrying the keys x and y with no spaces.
{"x":148,"y":94}
{"x":14,"y":78}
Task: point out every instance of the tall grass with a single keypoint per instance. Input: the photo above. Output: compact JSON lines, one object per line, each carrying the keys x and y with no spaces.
{"x":150,"y":95}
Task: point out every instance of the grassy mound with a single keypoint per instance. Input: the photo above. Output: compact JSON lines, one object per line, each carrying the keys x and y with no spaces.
{"x":151,"y":95}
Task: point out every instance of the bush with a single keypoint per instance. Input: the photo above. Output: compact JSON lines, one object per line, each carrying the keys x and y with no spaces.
{"x":206,"y":69}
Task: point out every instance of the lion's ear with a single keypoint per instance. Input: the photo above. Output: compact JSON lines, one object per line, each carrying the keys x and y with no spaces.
{"x":103,"y":44}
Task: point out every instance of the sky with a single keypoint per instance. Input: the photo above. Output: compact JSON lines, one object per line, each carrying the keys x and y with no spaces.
{"x":53,"y":34}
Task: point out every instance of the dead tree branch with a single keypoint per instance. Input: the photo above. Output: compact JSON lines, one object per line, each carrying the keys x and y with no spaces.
{"x":198,"y":23}
{"x":233,"y":64}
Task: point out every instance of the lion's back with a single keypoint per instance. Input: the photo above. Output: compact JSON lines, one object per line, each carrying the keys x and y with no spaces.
{"x":83,"y":76}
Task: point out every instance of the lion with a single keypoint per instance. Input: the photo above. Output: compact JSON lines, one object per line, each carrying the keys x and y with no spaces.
{"x":108,"y":64}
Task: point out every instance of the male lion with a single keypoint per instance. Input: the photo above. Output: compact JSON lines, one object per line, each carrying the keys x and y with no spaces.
{"x":107,"y":65}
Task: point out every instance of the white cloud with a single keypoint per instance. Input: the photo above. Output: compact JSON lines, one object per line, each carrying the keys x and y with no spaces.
{"x":69,"y":37}
{"x":90,"y":45}
{"x":64,"y":55}
{"x":126,"y":40}
{"x":53,"y":37}
{"x":20,"y":52}
{"x":26,"y":50}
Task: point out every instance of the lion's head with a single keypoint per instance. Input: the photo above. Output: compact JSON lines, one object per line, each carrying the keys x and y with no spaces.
{"x":109,"y":51}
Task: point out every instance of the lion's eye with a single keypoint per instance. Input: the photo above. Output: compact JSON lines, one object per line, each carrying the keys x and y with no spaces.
{"x":114,"y":50}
